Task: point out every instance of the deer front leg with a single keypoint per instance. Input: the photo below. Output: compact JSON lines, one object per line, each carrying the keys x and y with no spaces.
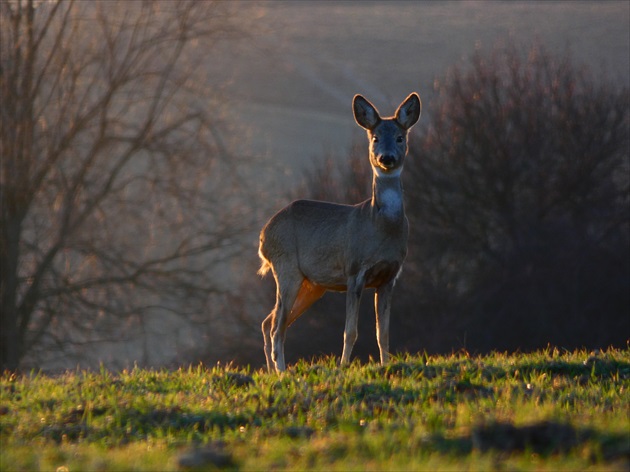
{"x":382,"y":306}
{"x":353,"y":300}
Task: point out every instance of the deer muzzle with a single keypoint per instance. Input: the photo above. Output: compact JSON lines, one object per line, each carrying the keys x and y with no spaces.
{"x":387,"y":161}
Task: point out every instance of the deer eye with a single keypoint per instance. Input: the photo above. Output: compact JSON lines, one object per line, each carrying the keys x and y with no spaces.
{"x":399,"y":139}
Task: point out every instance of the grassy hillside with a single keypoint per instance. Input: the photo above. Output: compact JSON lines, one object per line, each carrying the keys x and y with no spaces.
{"x":545,"y":410}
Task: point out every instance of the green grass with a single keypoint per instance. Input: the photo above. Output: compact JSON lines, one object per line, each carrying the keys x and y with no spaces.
{"x":547,"y":410}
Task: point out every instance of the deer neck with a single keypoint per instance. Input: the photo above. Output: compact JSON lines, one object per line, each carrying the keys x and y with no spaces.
{"x":387,"y":198}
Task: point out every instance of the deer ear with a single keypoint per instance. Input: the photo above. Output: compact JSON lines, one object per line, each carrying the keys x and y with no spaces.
{"x":365,"y":114}
{"x":409,"y":111}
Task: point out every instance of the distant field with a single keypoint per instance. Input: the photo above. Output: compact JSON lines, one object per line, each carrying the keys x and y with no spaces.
{"x":548,"y":410}
{"x":291,"y":84}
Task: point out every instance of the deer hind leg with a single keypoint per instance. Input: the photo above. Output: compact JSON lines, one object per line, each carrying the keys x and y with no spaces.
{"x":266,"y":330}
{"x":309,"y":293}
{"x":353,"y":300}
{"x":288,"y":288}
{"x":382,"y":307}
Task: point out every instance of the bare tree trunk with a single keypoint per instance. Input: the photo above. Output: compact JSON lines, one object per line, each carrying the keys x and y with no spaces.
{"x":17,"y":129}
{"x":10,"y":343}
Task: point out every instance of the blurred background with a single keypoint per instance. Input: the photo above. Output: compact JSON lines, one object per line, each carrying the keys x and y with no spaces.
{"x":144,"y":145}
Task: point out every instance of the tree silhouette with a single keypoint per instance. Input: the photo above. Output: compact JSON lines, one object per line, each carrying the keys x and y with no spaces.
{"x":518,"y":196}
{"x":111,"y":168}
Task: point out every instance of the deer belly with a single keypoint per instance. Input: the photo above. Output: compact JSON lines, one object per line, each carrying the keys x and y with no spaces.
{"x":381,"y":273}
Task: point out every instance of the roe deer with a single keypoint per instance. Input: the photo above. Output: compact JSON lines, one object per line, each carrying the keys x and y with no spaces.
{"x":313,"y":246}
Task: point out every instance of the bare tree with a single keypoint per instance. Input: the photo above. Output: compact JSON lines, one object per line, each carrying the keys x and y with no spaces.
{"x":114,"y":197}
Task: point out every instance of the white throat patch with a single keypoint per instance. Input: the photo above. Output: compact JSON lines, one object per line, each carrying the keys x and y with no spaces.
{"x":391,"y":203}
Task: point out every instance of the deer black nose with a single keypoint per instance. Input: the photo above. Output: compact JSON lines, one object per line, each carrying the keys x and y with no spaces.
{"x":387,"y":160}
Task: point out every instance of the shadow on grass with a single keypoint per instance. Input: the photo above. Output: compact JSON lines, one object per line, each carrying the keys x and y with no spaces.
{"x":544,"y":438}
{"x":132,"y":424}
{"x":594,"y":367}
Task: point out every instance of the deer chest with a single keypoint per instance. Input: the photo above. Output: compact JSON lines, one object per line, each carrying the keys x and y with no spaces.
{"x":381,"y":273}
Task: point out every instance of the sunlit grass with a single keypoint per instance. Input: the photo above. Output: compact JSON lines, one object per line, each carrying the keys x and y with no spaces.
{"x":543,"y":410}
